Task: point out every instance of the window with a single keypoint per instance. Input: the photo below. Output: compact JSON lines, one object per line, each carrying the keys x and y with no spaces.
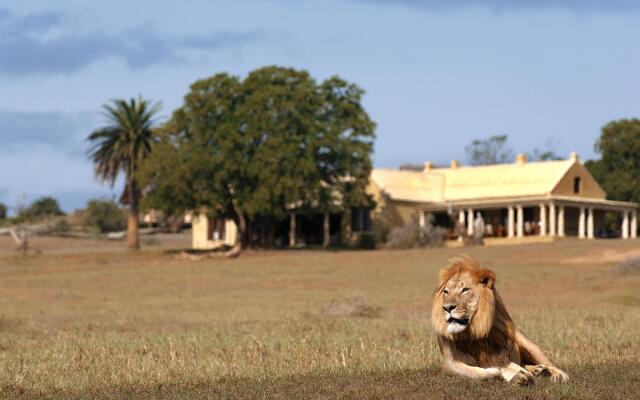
{"x":576,"y":185}
{"x":216,"y":229}
{"x":361,"y":219}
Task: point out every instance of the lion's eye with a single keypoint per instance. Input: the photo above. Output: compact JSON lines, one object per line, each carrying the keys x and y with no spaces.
{"x":464,"y":290}
{"x":446,"y":291}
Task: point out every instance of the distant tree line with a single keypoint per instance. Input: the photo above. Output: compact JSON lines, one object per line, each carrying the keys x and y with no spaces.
{"x":42,"y":207}
{"x":99,"y":216}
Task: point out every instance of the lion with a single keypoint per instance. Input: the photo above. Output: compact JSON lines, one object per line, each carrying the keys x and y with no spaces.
{"x":477,"y":337}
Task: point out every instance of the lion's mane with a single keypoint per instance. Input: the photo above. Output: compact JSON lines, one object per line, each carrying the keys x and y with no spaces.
{"x":490,"y":336}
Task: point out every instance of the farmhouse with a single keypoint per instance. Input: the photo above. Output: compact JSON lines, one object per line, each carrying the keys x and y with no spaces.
{"x":518,"y":201}
{"x":544,"y":199}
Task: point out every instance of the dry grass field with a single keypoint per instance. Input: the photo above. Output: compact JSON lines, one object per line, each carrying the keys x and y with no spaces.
{"x":84,"y":319}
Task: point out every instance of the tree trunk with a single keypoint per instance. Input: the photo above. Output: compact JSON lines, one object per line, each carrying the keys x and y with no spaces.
{"x":241,"y":222}
{"x":271,"y":232}
{"x":133,"y":237}
{"x":237,"y":247}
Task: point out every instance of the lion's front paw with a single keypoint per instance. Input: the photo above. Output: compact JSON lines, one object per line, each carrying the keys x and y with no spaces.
{"x":522,"y":378}
{"x":538,"y":370}
{"x":557,"y":375}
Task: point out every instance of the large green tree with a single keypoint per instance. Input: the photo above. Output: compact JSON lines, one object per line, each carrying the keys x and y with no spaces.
{"x":250,"y":149}
{"x":618,"y":170}
{"x":120,"y":146}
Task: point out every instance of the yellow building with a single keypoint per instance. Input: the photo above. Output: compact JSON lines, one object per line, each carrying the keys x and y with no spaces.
{"x":545,"y":198}
{"x":212,"y":233}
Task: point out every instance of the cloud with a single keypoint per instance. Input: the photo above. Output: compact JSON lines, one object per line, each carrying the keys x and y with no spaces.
{"x":47,"y":43}
{"x":44,"y":170}
{"x":64,"y":132}
{"x":579,"y":6}
{"x":46,"y":154}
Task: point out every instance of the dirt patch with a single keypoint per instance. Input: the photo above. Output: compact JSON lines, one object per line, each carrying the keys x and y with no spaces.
{"x":629,"y":265}
{"x":603,"y":257}
{"x":352,"y":306}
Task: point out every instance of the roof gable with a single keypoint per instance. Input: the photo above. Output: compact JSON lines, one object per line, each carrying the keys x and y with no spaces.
{"x":588,"y":187}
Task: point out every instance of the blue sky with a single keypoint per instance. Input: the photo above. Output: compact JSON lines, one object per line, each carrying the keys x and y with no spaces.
{"x":437,"y":74}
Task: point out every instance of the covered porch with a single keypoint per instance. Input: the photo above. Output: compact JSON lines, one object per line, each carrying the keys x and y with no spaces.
{"x":554,"y":216}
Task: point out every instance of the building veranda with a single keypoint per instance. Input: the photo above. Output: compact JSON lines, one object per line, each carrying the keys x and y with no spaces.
{"x":523,"y":199}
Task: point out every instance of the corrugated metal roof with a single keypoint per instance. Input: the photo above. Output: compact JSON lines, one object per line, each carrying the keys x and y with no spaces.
{"x":472,"y":183}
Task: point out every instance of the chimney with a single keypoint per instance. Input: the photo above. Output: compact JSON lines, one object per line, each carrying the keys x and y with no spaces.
{"x":574,"y":156}
{"x":521,"y":159}
{"x":454,"y":164}
{"x":428,"y":166}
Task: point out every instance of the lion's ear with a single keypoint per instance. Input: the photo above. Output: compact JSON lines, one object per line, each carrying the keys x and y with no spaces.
{"x":487,"y":277}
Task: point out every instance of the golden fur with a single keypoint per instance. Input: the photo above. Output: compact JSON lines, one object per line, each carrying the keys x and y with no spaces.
{"x":490,"y":341}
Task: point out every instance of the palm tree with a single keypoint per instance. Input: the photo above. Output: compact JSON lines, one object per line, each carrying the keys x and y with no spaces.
{"x":120,"y":146}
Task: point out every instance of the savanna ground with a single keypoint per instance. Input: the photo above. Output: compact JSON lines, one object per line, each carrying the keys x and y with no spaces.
{"x":86,"y":319}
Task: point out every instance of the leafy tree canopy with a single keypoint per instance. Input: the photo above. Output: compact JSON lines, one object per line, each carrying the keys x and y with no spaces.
{"x":104,"y":216}
{"x":618,"y":171}
{"x":42,"y":207}
{"x":494,"y":150}
{"x":258,"y":146}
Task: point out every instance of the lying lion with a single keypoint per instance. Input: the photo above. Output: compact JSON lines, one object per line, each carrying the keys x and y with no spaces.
{"x":476,"y":335}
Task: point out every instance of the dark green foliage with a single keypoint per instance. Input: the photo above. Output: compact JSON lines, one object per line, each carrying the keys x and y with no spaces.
{"x":494,"y":150}
{"x":252,"y":148}
{"x":61,"y":227}
{"x":43,"y":207}
{"x":3,"y":211}
{"x":618,"y":171}
{"x":125,"y":140}
{"x":104,"y":216}
{"x":367,"y":241}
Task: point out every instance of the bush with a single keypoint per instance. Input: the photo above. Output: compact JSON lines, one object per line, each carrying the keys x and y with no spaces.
{"x":61,"y":227}
{"x":411,"y":235}
{"x":43,"y":207}
{"x":381,"y":228}
{"x":104,"y":216}
{"x":367,"y":241}
{"x":3,"y":211}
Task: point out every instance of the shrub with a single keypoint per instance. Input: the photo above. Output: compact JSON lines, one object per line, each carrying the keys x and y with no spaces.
{"x":381,"y":228}
{"x":104,"y":216}
{"x":61,"y":227}
{"x":412,"y":235}
{"x":3,"y":211}
{"x":367,"y":241}
{"x":43,"y":207}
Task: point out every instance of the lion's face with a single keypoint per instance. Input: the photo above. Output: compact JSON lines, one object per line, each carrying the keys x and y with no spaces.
{"x":460,"y":297}
{"x":464,"y":300}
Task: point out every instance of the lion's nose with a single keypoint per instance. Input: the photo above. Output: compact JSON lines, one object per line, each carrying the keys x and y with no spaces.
{"x":449,"y":307}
